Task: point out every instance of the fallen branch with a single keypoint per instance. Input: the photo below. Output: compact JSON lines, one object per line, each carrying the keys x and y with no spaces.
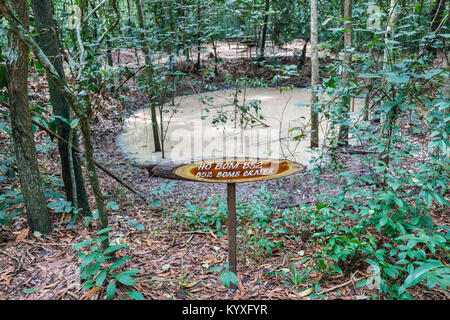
{"x":41,"y":244}
{"x":13,"y":258}
{"x":340,"y":285}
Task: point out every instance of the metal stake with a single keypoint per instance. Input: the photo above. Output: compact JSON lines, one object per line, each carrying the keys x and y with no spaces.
{"x":231,"y":203}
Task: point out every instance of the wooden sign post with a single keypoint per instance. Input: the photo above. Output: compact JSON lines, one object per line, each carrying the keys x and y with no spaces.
{"x":229,"y":171}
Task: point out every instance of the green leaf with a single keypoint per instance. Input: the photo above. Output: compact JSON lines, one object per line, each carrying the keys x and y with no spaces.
{"x":363,"y":283}
{"x":81,"y":244}
{"x":112,"y":205}
{"x":386,"y":107}
{"x":75,"y":122}
{"x":439,"y":199}
{"x":118,"y":263}
{"x":166,"y":266}
{"x":38,"y":66}
{"x":397,"y":79}
{"x":2,"y":76}
{"x":132,"y":272}
{"x":419,"y":274}
{"x":101,"y":278}
{"x":383,"y":221}
{"x":136,"y":295}
{"x":125,"y":279}
{"x":115,"y":248}
{"x":29,"y":291}
{"x":228,"y":278}
{"x":111,"y":290}
{"x":105,"y":230}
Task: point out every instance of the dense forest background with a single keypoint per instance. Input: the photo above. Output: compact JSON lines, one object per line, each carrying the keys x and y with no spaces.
{"x":78,"y":221}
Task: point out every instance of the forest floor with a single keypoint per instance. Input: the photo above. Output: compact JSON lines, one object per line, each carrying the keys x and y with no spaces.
{"x":175,"y":261}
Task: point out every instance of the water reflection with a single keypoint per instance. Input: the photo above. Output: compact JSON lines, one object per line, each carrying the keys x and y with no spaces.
{"x":207,"y":126}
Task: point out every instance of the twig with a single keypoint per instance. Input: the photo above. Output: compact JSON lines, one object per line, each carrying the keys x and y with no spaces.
{"x":340,"y":285}
{"x":113,"y":25}
{"x":37,"y":244}
{"x":92,"y":12}
{"x":73,"y":295}
{"x":186,"y":232}
{"x":128,"y":78}
{"x":14,"y":258}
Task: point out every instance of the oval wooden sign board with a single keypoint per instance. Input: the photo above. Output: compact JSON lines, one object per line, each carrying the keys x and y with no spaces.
{"x":230,"y":170}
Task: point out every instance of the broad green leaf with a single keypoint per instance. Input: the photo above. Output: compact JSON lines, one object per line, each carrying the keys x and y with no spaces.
{"x":125,"y":279}
{"x":136,"y":295}
{"x":111,"y":290}
{"x":101,"y":278}
{"x":105,"y":230}
{"x":75,"y":122}
{"x":386,"y":107}
{"x":228,"y":278}
{"x":118,"y":263}
{"x":115,"y":248}
{"x":29,"y":290}
{"x":418,"y":275}
{"x":81,"y":244}
{"x":397,"y":79}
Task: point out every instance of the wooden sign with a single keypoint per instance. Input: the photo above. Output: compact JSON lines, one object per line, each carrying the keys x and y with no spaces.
{"x":228,"y":170}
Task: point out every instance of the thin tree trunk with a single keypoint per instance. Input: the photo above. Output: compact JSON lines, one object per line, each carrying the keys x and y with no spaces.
{"x":303,"y":55}
{"x":387,"y":120}
{"x":22,"y":130}
{"x":49,"y":43}
{"x":199,"y":39}
{"x":388,"y":58}
{"x":216,"y":58}
{"x":73,"y":101}
{"x":314,"y":75}
{"x":447,"y":81}
{"x":150,"y":71}
{"x":346,"y":100}
{"x":436,"y":14}
{"x":264,"y":28}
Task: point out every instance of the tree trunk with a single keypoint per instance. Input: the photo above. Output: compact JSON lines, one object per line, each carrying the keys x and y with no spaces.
{"x":22,"y":130}
{"x":216,"y":58}
{"x":436,"y":14}
{"x":314,"y":75}
{"x":264,"y":29}
{"x":388,"y":58}
{"x":388,"y":119}
{"x":149,"y":69}
{"x":199,"y":39}
{"x":49,"y":43}
{"x":74,"y":103}
{"x":346,"y":100}
{"x":303,"y":55}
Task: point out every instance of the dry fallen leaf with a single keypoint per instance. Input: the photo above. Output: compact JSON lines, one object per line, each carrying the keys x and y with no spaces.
{"x":23,"y":234}
{"x":217,"y":261}
{"x":3,"y":276}
{"x":188,"y":285}
{"x":241,"y":287}
{"x":306,"y":292}
{"x":207,"y":261}
{"x":92,"y":291}
{"x":212,"y":233}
